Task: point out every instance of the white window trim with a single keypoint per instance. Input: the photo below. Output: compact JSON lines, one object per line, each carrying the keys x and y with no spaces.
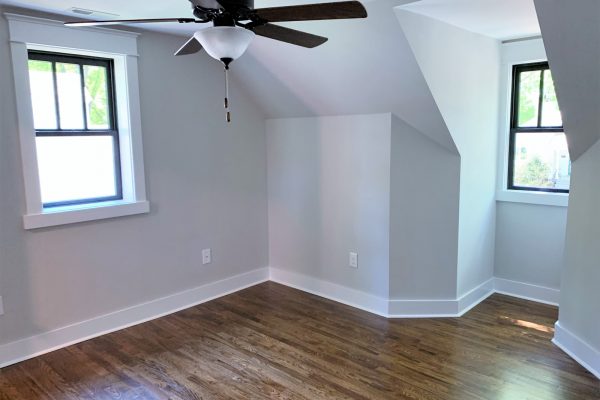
{"x":515,"y":53}
{"x":50,"y":35}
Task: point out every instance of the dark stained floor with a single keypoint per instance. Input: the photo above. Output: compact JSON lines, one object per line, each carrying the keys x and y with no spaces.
{"x":273,"y":342}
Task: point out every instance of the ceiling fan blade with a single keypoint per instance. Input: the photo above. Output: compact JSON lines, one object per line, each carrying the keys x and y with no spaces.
{"x":130,"y":21}
{"x":310,"y":12}
{"x":288,"y":35}
{"x":190,"y":47}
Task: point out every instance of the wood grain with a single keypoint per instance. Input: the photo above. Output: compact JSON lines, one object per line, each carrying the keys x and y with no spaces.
{"x":274,"y":342}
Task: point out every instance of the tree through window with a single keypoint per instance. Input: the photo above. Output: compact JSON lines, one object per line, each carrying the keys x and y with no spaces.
{"x":539,"y":156}
{"x":77,"y":140}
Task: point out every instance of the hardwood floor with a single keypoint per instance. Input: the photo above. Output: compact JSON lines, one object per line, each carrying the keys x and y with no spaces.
{"x":273,"y":342}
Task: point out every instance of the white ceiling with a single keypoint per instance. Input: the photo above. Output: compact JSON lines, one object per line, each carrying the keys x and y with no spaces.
{"x":123,"y":9}
{"x":128,"y":9}
{"x":500,"y":19}
{"x":367,"y":65}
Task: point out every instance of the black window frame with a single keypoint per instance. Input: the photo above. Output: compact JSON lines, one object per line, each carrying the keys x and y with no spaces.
{"x":112,"y":131}
{"x":514,"y":123}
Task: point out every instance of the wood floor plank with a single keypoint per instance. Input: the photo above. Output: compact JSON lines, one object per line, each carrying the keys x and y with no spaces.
{"x":273,"y":342}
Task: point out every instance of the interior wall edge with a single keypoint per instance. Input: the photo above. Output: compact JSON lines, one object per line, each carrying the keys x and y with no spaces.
{"x":577,"y":349}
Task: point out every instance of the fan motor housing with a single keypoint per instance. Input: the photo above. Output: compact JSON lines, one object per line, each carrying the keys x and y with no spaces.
{"x":227,"y":4}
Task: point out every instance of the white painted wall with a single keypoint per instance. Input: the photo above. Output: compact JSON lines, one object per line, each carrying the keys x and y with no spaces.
{"x":462,"y":71}
{"x":530,"y":237}
{"x":423,"y":216}
{"x":571,"y":34}
{"x":206,"y":183}
{"x":329,"y":194}
{"x":530,"y":242}
{"x":580,"y":297}
{"x":512,"y":53}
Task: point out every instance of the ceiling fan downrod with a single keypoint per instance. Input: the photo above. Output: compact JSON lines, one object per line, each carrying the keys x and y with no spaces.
{"x":226,"y":62}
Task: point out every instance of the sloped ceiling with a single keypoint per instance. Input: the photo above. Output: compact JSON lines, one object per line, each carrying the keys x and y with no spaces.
{"x":498,"y":19}
{"x":572,"y":41}
{"x":365,"y":67}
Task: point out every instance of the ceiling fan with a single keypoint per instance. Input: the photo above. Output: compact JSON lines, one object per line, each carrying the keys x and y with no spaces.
{"x":236,"y":22}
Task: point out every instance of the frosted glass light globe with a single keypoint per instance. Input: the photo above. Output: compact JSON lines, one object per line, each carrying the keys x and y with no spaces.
{"x":225,"y":42}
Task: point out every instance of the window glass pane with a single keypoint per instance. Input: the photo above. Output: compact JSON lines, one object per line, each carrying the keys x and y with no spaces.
{"x":70,"y":101}
{"x":529,"y":97}
{"x":96,"y":97}
{"x":76,"y":167}
{"x":42,"y":94}
{"x":542,"y":160}
{"x":550,"y":111}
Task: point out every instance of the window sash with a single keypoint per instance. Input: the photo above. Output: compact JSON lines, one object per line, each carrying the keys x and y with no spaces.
{"x":116,"y":160}
{"x":511,"y":163}
{"x":514,"y":123}
{"x":515,"y":97}
{"x":82,"y":61}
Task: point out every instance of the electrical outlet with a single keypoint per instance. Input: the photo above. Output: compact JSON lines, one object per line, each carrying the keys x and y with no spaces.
{"x":353,"y":260}
{"x":206,"y":256}
{"x":1,"y":306}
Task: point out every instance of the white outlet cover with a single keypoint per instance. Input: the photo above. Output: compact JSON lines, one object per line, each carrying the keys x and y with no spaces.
{"x":353,"y":260}
{"x":206,"y":256}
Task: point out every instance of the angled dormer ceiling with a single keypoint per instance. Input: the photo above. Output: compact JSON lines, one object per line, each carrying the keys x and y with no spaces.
{"x":365,"y":67}
{"x":499,"y":19}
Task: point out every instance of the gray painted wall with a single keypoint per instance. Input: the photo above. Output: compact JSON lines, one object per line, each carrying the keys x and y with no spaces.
{"x":329,"y":194}
{"x":423,"y":216}
{"x":573,"y":52}
{"x":206,"y":183}
{"x":530,"y":243}
{"x":571,"y":33}
{"x":580,"y":298}
{"x":462,"y":70}
{"x":370,"y":183}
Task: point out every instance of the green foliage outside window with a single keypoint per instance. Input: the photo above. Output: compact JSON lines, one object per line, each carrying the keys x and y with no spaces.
{"x":534,"y":173}
{"x":97,"y":97}
{"x":529,"y":95}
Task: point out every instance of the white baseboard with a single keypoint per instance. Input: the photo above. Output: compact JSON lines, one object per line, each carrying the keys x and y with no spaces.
{"x":440,"y":308}
{"x":331,"y":291}
{"x":527,"y":291}
{"x":580,"y":351}
{"x":475,"y":296}
{"x":381,"y":306}
{"x":24,"y":349}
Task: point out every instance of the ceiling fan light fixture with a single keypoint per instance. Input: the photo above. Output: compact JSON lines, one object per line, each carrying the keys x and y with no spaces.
{"x":225,"y":42}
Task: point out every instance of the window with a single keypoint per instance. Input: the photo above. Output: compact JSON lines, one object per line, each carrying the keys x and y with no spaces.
{"x":538,"y":152}
{"x":77,"y":141}
{"x":79,"y":121}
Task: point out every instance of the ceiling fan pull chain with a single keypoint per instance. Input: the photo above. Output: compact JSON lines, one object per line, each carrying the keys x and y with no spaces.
{"x":227,"y":113}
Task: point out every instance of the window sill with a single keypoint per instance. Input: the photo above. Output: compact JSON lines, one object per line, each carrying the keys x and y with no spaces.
{"x":82,"y":213}
{"x":541,"y":198}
